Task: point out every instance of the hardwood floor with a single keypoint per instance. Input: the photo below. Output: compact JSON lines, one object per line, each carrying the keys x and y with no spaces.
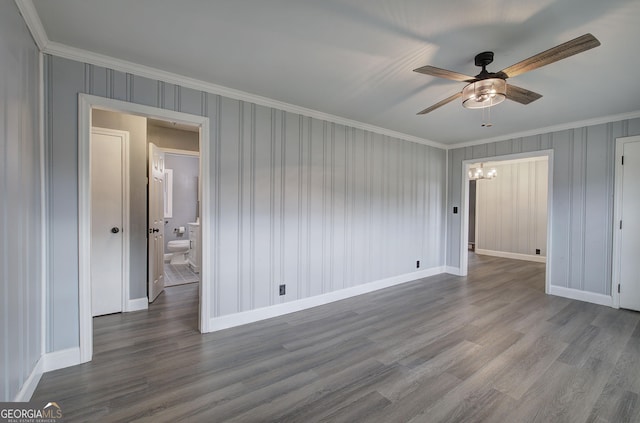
{"x":489,"y":347}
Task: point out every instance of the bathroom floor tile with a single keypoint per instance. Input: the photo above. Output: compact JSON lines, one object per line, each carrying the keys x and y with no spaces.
{"x":179,"y":274}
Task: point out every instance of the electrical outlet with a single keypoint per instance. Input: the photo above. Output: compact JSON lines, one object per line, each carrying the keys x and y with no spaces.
{"x":418,"y":264}
{"x":283,"y":289}
{"x":537,"y":250}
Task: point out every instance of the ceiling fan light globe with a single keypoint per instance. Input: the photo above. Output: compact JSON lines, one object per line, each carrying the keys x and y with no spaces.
{"x":484,"y":93}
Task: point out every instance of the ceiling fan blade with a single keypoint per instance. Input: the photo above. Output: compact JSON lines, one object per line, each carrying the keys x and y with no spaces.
{"x":564,"y":50}
{"x":443,"y":73}
{"x":521,"y":95}
{"x":440,"y":104}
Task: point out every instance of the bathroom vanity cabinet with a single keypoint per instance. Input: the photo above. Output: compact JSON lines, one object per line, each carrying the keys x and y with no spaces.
{"x":194,"y":247}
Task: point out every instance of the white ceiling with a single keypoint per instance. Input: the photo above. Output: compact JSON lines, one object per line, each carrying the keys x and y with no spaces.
{"x":354,"y":58}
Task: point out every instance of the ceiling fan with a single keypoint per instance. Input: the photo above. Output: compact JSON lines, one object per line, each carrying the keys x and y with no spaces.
{"x":490,"y":88}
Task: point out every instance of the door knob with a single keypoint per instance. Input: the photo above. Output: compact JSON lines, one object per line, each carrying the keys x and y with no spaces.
{"x":115,"y":230}
{"x":156,"y":230}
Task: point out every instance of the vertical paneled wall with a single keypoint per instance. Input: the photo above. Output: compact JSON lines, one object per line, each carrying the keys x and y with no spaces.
{"x":298,"y":201}
{"x":512,"y":209}
{"x":20,"y":204}
{"x":582,"y":208}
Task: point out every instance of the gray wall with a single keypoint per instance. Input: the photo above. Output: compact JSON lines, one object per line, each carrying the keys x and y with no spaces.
{"x":20,"y":204}
{"x":582,"y":218}
{"x":296,"y":200}
{"x":173,"y":138}
{"x":137,"y":128}
{"x":185,"y":194}
{"x":512,"y":208}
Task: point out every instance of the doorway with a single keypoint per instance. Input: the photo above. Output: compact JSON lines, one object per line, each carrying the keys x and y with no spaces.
{"x":465,"y":209}
{"x":87,"y":103}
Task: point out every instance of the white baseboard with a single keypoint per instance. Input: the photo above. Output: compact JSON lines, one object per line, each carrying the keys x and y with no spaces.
{"x":47,"y":363}
{"x":29,"y":386}
{"x":516,"y":256}
{"x":453,"y":271}
{"x":576,"y":294}
{"x":137,"y":304}
{"x":242,"y":318}
{"x":61,"y":359}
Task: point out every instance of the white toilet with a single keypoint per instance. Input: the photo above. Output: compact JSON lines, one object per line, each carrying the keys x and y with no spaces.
{"x":179,"y":250}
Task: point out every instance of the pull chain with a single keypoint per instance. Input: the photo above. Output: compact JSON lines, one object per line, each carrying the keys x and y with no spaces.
{"x":488,"y":123}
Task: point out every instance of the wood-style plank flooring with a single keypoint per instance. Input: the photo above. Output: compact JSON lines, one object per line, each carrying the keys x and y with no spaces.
{"x":491,"y":347}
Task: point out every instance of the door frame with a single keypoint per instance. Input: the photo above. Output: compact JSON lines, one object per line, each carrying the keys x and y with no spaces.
{"x":86,"y":103}
{"x":464,"y":189}
{"x":125,"y":209}
{"x":617,"y":217}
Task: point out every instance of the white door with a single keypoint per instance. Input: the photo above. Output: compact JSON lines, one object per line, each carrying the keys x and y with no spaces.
{"x":156,"y":222}
{"x":630,"y":232}
{"x":107,"y":201}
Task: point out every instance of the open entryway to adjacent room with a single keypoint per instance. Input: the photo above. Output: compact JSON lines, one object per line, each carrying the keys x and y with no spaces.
{"x":145,"y":207}
{"x":507,"y":213}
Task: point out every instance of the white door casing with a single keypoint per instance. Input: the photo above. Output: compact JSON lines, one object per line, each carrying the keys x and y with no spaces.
{"x":464,"y":209}
{"x":86,"y":103}
{"x":156,"y":222}
{"x":627,"y":226}
{"x":109,"y":220}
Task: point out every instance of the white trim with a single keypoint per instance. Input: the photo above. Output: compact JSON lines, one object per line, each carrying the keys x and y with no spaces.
{"x":464,"y":205}
{"x":549,"y":129}
{"x":32,"y":19}
{"x":85,"y":104}
{"x":84,"y":56}
{"x":206,"y":239}
{"x":447,"y":222}
{"x":464,"y":220}
{"x":47,"y":46}
{"x":509,"y":255}
{"x":43,"y":210}
{"x":61,"y":359}
{"x":617,"y":216}
{"x":137,"y":304}
{"x":180,"y":152}
{"x":84,"y":231}
{"x":456,"y":271}
{"x":29,"y":386}
{"x":126,"y":221}
{"x":48,"y":362}
{"x":549,"y":256}
{"x":237,"y":319}
{"x":576,"y":294}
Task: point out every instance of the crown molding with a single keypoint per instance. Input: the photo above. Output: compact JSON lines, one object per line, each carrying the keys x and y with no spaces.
{"x":80,"y":55}
{"x":32,"y":19}
{"x":549,"y":129}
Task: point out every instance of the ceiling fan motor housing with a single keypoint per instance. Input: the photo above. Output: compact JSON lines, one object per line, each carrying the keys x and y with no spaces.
{"x":483,"y":59}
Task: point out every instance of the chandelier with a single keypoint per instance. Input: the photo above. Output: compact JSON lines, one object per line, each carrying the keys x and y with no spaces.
{"x":480,"y":172}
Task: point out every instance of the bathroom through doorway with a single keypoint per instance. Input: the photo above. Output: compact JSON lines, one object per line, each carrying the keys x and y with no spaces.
{"x":146,"y":126}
